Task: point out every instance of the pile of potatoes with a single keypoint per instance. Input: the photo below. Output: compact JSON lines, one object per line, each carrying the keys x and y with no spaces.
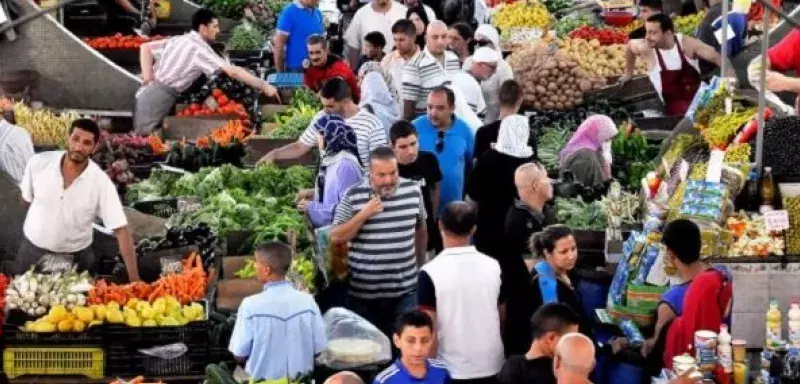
{"x":599,"y":60}
{"x":551,"y":80}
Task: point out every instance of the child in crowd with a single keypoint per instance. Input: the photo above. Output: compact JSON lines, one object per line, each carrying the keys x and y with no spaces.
{"x":374,"y":43}
{"x":414,"y":337}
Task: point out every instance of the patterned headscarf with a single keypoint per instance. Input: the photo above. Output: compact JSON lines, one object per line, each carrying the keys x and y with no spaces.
{"x":374,"y":66}
{"x":513,"y":137}
{"x":591,"y":134}
{"x":340,"y":140}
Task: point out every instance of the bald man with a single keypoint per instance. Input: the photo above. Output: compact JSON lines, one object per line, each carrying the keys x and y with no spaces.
{"x":574,"y":359}
{"x":345,"y":377}
{"x":524,"y":218}
{"x":431,"y":68}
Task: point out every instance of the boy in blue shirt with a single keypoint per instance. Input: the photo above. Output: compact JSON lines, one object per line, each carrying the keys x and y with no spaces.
{"x":414,"y":338}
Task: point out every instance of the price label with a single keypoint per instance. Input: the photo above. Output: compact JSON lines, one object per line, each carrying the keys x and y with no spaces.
{"x":714,"y":172}
{"x":776,"y":220}
{"x":615,"y":4}
{"x":683,"y":171}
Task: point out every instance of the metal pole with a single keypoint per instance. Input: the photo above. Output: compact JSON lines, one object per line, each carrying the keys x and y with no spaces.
{"x":724,"y":43}
{"x":762,"y":91}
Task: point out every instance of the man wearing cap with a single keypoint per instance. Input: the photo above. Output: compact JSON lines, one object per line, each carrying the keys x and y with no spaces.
{"x":487,"y":36}
{"x":484,"y":65}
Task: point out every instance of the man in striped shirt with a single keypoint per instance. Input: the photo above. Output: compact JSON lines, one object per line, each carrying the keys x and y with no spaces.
{"x":16,"y":146}
{"x":170,"y":66}
{"x":430,"y":69}
{"x":336,"y":100}
{"x":383,"y":220}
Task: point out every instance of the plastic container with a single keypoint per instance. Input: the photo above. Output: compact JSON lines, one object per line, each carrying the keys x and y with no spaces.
{"x":794,"y":323}
{"x":773,"y":328}
{"x":724,"y":349}
{"x":617,"y":18}
{"x":59,"y":361}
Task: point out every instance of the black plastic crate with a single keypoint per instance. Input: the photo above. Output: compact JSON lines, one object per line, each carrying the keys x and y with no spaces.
{"x":14,"y":335}
{"x":163,"y":208}
{"x":127,"y":360}
{"x":194,"y":334}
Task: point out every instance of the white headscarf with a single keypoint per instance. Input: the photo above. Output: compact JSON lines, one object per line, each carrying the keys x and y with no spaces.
{"x":376,"y":94}
{"x":490,"y":33}
{"x":513,"y":137}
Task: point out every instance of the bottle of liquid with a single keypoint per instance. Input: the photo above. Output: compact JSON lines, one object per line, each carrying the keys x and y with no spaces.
{"x":773,"y":325}
{"x":767,"y":190}
{"x":794,"y":323}
{"x":749,"y":199}
{"x":724,"y":349}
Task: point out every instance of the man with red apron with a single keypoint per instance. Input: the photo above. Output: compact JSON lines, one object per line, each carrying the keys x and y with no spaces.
{"x":678,"y":86}
{"x":671,"y":62}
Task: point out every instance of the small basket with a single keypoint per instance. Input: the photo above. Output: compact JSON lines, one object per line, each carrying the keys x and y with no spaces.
{"x":54,"y":360}
{"x":163,"y":208}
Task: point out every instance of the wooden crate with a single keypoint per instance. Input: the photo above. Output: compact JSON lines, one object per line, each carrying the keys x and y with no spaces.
{"x":231,"y":292}
{"x":259,"y":145}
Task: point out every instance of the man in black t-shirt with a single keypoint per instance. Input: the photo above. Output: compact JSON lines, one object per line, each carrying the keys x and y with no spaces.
{"x":422,"y":167}
{"x":549,"y":323}
{"x":510,"y":103}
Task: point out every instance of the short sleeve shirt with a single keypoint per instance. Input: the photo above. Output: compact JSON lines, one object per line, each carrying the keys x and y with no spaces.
{"x":368,"y":129}
{"x":785,"y":56}
{"x":471,"y":89}
{"x":424,"y":73}
{"x":425,"y":171}
{"x":299,"y":22}
{"x":60,"y":220}
{"x":182,"y":60}
{"x":366,"y":20}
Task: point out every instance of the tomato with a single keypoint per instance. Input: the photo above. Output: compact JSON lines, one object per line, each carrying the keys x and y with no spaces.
{"x":217,"y":93}
{"x":223,"y":100}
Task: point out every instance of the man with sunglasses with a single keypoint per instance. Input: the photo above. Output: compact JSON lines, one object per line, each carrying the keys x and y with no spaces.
{"x":488,"y":37}
{"x":523,"y":219}
{"x":484,"y":64}
{"x":450,"y":139}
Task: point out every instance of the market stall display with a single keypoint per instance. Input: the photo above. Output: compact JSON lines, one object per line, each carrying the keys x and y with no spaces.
{"x":120,"y":41}
{"x":47,"y":128}
{"x":598,"y":59}
{"x":264,"y":13}
{"x":688,"y":24}
{"x":224,"y":145}
{"x":604,"y":36}
{"x":245,"y":37}
{"x":522,"y":14}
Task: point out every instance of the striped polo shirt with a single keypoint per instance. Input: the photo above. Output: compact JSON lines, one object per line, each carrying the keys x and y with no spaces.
{"x":16,"y":148}
{"x":382,"y":259}
{"x":182,"y":59}
{"x":423,"y":73}
{"x":368,"y":129}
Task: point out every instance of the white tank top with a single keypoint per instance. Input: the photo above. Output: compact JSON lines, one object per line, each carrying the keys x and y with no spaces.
{"x":672,"y":60}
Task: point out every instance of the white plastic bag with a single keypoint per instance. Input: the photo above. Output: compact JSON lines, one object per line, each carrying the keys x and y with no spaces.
{"x":352,"y":341}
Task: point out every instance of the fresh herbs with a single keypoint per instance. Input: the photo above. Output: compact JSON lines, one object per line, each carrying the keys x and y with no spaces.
{"x":577,"y":214}
{"x":245,"y":37}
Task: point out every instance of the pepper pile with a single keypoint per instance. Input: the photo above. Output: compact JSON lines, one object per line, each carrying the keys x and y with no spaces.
{"x":119,"y":41}
{"x":605,"y":36}
{"x":232,"y":132}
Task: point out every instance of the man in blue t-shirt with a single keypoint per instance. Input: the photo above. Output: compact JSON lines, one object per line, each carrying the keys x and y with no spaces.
{"x":450,"y":139}
{"x":414,"y":338}
{"x":298,"y":20}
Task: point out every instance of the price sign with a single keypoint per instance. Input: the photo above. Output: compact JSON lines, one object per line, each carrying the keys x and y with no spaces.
{"x":616,"y":4}
{"x":776,"y":220}
{"x":683,"y":171}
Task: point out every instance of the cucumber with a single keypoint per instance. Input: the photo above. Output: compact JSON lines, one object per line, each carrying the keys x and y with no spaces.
{"x":215,"y":374}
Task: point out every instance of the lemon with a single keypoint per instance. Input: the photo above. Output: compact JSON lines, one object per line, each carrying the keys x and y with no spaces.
{"x":133,"y":321}
{"x":172,"y":303}
{"x":128,"y":312}
{"x":160,"y":305}
{"x":168,"y":321}
{"x":84,"y":314}
{"x":29,"y":326}
{"x":99,"y":312}
{"x":57,"y":313}
{"x":112,"y":305}
{"x":114,"y":316}
{"x":78,"y":326}
{"x":146,"y":313}
{"x":44,"y":327}
{"x":95,"y":323}
{"x":132,"y":303}
{"x":149,"y":323}
{"x":142,"y":305}
{"x":188,"y":312}
{"x":65,"y":326}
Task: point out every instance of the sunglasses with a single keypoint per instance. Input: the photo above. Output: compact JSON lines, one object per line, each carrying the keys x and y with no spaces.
{"x":440,"y":142}
{"x":483,"y":43}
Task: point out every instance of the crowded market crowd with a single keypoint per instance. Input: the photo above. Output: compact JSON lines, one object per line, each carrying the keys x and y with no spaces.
{"x":429,"y":180}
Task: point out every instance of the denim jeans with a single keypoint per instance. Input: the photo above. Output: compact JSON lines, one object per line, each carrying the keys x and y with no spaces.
{"x":383,"y":313}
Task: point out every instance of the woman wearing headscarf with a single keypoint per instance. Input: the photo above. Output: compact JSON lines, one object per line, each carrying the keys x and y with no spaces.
{"x":491,"y":184}
{"x":379,"y":100}
{"x":340,"y":169}
{"x":588,"y":153}
{"x":487,"y":36}
{"x":419,"y":17}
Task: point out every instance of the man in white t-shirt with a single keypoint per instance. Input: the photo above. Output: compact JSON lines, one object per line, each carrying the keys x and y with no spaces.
{"x":467,"y":87}
{"x":65,"y":193}
{"x":378,"y":15}
{"x":337,"y":100}
{"x":460,"y":290}
{"x":404,"y":35}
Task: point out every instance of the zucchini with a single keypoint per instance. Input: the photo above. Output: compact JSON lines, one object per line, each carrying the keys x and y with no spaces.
{"x":215,"y":374}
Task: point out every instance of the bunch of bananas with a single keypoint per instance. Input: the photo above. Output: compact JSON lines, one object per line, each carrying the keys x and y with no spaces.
{"x":522,"y":14}
{"x":46,"y":128}
{"x":689,"y":23}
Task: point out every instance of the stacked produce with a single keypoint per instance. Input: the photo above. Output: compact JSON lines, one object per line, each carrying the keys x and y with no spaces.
{"x":264,"y":13}
{"x":554,"y":6}
{"x":550,"y":80}
{"x":605,"y":36}
{"x":522,"y":14}
{"x":569,"y":23}
{"x":301,"y":273}
{"x":577,"y":214}
{"x":723,"y":128}
{"x":777,"y":133}
{"x":291,"y":124}
{"x":120,"y":41}
{"x":792,"y":205}
{"x":688,"y":24}
{"x":222,"y":105}
{"x":751,"y":237}
{"x":223,"y":85}
{"x":245,"y":37}
{"x":46,"y":128}
{"x":186,"y":286}
{"x":633,"y":157}
{"x":598,"y":60}
{"x":33,"y":293}
{"x":231,"y":9}
{"x":159,"y":185}
{"x":550,"y":144}
{"x":117,"y":153}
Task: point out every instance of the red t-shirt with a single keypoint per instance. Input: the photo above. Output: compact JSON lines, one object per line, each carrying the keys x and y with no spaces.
{"x":785,"y":56}
{"x":315,"y":77}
